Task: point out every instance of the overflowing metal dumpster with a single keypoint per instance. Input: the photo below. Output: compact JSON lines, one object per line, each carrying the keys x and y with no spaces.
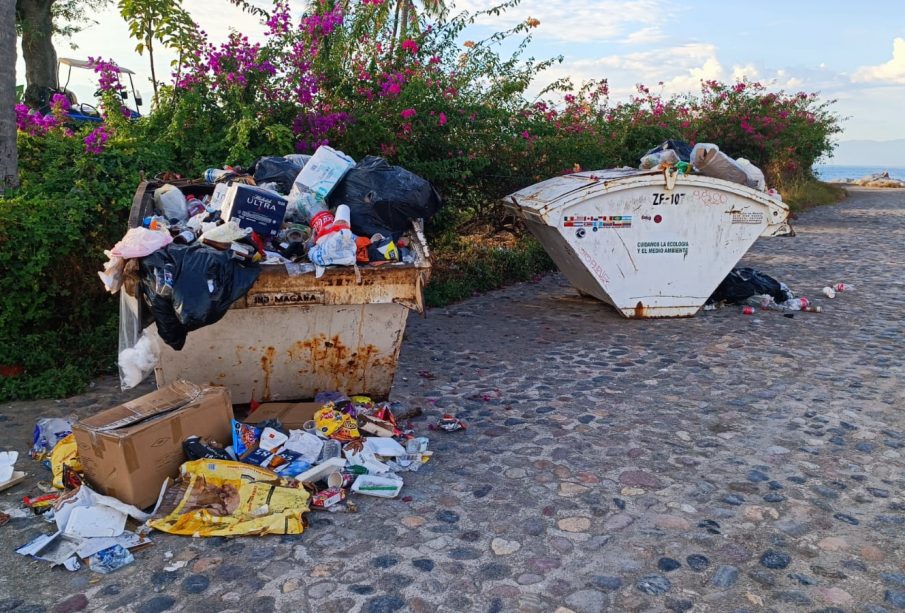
{"x":649,"y":243}
{"x":293,"y":336}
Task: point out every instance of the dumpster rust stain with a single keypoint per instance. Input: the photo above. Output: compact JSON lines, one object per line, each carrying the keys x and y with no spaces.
{"x":337,"y":361}
{"x":639,"y":310}
{"x":267,"y":367}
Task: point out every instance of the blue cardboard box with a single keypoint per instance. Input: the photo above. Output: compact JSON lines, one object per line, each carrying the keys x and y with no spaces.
{"x":255,"y":208}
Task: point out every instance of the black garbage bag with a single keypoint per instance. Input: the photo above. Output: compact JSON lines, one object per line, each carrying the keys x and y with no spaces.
{"x":275,"y":169}
{"x":742,"y":283}
{"x":366,"y":222}
{"x":682,"y":149}
{"x":384,"y":199}
{"x":192,"y":286}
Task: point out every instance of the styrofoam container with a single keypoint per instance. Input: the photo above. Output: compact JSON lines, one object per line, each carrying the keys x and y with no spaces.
{"x":367,"y":480}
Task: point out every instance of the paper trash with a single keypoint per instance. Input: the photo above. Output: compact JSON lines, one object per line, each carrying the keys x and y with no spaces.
{"x":85,"y":513}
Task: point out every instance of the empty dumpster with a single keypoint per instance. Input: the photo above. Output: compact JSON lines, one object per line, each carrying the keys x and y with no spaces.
{"x":650,"y":243}
{"x":291,"y":337}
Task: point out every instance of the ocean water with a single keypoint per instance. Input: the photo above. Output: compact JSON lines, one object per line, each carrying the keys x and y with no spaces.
{"x":829,"y":172}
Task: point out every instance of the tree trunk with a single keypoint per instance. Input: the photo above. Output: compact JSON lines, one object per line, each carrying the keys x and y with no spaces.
{"x":9,"y":160}
{"x":395,"y":27}
{"x":149,"y":45}
{"x":37,"y":50}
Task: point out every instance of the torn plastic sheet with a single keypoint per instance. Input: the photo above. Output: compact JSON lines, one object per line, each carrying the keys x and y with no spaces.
{"x":224,"y":498}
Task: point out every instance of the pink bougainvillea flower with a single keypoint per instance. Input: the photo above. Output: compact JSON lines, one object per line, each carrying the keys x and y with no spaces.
{"x":410,"y":46}
{"x":442,"y":120}
{"x":408,"y":113}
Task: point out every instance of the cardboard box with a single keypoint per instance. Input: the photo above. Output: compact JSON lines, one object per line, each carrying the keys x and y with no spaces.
{"x":255,"y":208}
{"x":291,"y":414}
{"x":129,"y":451}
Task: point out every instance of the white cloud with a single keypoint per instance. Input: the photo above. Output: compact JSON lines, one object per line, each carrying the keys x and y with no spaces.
{"x":748,"y":71}
{"x":680,"y":68}
{"x":644,"y":36}
{"x":581,"y":22}
{"x":892,"y":71}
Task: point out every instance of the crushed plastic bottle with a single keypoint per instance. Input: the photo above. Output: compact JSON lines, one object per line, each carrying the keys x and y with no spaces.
{"x":767,"y":303}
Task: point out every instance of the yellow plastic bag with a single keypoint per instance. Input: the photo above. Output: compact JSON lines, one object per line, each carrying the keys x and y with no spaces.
{"x":64,"y":452}
{"x":335,"y":424}
{"x":223,"y":498}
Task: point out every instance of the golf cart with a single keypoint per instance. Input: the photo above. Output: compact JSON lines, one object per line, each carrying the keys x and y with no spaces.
{"x":80,"y":111}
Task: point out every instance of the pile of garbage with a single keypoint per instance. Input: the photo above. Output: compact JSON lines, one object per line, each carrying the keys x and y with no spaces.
{"x":203,"y":247}
{"x":705,"y":159}
{"x":257,"y":476}
{"x":756,"y":290}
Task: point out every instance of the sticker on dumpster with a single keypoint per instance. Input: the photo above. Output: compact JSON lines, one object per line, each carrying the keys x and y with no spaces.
{"x":747,"y":217}
{"x":660,"y":247}
{"x":285,"y":298}
{"x":595,"y":222}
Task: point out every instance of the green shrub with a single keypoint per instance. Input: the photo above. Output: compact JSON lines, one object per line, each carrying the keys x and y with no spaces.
{"x":56,"y":320}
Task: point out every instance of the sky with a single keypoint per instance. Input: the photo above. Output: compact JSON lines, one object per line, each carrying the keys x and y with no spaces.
{"x":853,"y":52}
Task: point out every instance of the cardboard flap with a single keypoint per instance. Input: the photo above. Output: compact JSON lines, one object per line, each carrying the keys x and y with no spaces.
{"x":292,"y":415}
{"x":170,"y":398}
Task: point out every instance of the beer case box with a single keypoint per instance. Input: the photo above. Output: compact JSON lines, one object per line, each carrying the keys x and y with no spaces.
{"x":252,"y":207}
{"x":129,"y":451}
{"x":292,"y":415}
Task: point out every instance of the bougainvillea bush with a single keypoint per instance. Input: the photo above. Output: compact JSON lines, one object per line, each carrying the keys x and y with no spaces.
{"x":346,"y":74}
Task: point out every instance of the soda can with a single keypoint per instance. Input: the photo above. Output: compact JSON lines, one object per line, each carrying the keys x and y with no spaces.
{"x":748,"y":310}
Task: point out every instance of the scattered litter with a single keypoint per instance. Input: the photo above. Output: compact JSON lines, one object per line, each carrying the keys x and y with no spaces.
{"x":450,"y":423}
{"x":48,"y":432}
{"x":172,"y":568}
{"x":9,"y":476}
{"x":110,"y":559}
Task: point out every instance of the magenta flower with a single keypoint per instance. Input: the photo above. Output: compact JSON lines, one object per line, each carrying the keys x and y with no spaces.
{"x":442,"y":120}
{"x":408,"y":113}
{"x":95,"y":141}
{"x":410,"y":46}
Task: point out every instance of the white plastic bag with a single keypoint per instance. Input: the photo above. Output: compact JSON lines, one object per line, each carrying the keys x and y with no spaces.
{"x":755,"y":175}
{"x":139,"y":242}
{"x":666,"y":157}
{"x":139,"y":353}
{"x":226,"y":233}
{"x":334,"y":249}
{"x":171,"y":202}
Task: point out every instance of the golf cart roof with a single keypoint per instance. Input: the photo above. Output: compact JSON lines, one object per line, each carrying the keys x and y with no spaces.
{"x":68,"y":61}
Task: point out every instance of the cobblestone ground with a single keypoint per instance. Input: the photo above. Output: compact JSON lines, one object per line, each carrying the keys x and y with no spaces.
{"x":720,"y":463}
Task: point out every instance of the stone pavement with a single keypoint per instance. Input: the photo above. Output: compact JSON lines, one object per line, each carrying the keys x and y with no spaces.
{"x":720,"y":463}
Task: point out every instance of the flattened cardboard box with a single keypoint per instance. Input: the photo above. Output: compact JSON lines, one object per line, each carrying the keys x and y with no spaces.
{"x":129,"y":451}
{"x":292,"y":415}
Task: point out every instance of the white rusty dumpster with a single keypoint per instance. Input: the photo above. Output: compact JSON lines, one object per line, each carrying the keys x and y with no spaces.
{"x":649,"y":243}
{"x":291,"y":337}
